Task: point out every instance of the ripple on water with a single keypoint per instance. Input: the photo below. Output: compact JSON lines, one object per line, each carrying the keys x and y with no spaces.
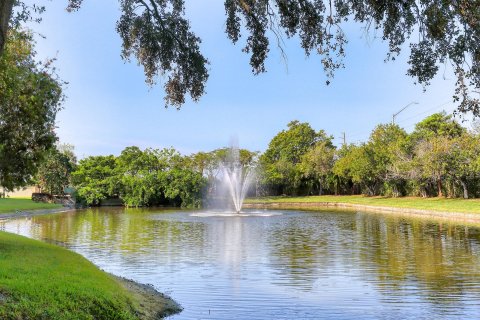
{"x":281,"y":264}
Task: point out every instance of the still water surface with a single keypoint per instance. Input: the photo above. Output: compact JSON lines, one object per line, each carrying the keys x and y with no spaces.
{"x":280,"y":264}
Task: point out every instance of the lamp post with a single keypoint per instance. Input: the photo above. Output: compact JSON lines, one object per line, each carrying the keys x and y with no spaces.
{"x":396,"y":114}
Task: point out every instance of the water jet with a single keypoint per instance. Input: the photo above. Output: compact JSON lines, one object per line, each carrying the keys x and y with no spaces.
{"x":236,"y":177}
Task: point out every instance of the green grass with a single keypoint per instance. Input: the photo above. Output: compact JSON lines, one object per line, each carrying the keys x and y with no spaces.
{"x":435,"y":204}
{"x":43,"y":281}
{"x":10,"y":205}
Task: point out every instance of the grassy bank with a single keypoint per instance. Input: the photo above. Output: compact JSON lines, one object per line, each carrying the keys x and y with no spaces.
{"x":9,"y":205}
{"x":43,"y":281}
{"x":434,"y":204}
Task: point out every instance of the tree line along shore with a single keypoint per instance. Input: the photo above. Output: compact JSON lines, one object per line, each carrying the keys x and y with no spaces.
{"x":456,"y":205}
{"x":439,"y":158}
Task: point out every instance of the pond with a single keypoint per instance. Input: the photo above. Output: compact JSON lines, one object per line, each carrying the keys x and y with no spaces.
{"x":280,"y":264}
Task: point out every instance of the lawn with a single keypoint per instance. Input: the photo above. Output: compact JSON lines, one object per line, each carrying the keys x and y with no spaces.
{"x":43,"y":281}
{"x":435,"y":204}
{"x":10,"y":205}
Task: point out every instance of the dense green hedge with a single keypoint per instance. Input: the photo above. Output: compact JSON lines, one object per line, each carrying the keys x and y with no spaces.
{"x":139,"y":178}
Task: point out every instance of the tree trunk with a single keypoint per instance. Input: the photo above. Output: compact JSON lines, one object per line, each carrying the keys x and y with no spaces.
{"x":395,"y":191}
{"x":439,"y":187}
{"x":465,"y":190}
{"x":424,"y":192}
{"x":320,"y":189}
{"x":6,"y":7}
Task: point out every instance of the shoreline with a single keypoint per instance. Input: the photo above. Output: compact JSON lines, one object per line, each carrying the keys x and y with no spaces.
{"x":32,"y":213}
{"x":152,"y":304}
{"x":453,"y":216}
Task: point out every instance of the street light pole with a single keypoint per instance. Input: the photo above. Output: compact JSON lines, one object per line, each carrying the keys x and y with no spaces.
{"x":396,"y":114}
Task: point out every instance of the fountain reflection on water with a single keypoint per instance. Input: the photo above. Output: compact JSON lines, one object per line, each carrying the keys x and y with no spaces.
{"x":296,"y":265}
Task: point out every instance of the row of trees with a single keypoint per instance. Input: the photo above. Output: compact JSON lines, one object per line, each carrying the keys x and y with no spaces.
{"x":439,"y":158}
{"x":152,"y":177}
{"x":139,"y":178}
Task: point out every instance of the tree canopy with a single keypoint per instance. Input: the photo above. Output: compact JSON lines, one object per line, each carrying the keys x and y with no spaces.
{"x":30,"y":97}
{"x":282,"y":161}
{"x":140,"y":178}
{"x":158,"y":34}
{"x":54,"y":172}
{"x":439,"y":158}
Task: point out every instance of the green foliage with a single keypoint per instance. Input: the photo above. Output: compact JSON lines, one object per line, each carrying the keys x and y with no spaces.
{"x":428,"y":160}
{"x":159,"y":35}
{"x":449,"y":32}
{"x":463,"y":161}
{"x":292,"y":144}
{"x":137,"y":173}
{"x":372,"y":165}
{"x":317,"y":163}
{"x":438,"y":124}
{"x":439,"y":158}
{"x":281,"y":161}
{"x":184,"y":187}
{"x":54,"y":173}
{"x":387,"y":142}
{"x":95,"y":179}
{"x":359,"y":166}
{"x":30,"y":97}
{"x":140,"y":178}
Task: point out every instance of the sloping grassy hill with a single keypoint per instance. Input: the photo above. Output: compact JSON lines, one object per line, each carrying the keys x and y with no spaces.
{"x":43,"y":281}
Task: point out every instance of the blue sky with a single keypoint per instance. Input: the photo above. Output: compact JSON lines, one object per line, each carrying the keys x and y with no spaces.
{"x":109,"y":106}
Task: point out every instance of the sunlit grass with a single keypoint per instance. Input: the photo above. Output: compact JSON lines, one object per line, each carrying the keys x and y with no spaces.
{"x":42,"y":281}
{"x":11,"y":205}
{"x":436,"y":204}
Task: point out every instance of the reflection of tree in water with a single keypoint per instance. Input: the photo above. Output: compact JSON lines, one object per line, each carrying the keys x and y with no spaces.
{"x":403,"y":259}
{"x":306,"y":248}
{"x":439,"y":261}
{"x":115,"y":231}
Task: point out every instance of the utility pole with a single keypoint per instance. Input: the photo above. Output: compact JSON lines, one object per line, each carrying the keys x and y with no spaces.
{"x":396,"y":114}
{"x":344,"y":139}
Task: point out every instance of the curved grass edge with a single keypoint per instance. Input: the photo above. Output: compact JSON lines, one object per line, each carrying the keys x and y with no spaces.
{"x":43,"y":281}
{"x":152,"y":303}
{"x":31,"y":213}
{"x":431,"y":204}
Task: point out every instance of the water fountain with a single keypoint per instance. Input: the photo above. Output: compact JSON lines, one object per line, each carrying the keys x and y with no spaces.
{"x":236,"y":177}
{"x":230,"y":187}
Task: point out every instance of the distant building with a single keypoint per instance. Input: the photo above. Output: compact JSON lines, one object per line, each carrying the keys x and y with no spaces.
{"x":23,"y":192}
